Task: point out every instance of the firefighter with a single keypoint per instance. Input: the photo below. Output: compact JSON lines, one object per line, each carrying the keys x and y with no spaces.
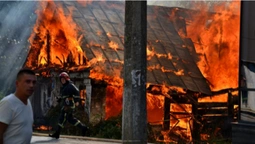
{"x":70,"y":98}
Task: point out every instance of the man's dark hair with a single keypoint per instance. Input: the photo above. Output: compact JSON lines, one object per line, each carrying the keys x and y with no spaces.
{"x":25,"y":71}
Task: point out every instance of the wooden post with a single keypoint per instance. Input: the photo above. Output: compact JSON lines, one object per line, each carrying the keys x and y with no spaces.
{"x":230,"y":106}
{"x":166,"y":122}
{"x":195,"y":130}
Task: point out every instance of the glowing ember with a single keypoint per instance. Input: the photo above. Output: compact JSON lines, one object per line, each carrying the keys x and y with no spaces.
{"x":109,"y":34}
{"x":43,"y":128}
{"x":151,"y":53}
{"x":150,"y":68}
{"x":113,"y":45}
{"x":154,"y":67}
{"x":83,"y":96}
{"x":179,"y":72}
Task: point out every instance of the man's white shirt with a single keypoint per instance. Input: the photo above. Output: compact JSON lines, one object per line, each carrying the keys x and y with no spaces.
{"x":19,"y":118}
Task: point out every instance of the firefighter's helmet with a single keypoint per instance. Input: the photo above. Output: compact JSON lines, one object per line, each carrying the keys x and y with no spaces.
{"x":64,"y":75}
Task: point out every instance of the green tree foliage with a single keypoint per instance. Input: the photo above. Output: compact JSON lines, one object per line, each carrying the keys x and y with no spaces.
{"x":110,"y":128}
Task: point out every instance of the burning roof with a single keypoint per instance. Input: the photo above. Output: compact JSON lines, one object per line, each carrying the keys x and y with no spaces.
{"x":171,"y":59}
{"x":90,"y":34}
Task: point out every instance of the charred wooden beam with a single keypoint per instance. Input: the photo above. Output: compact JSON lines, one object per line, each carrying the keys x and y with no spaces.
{"x":211,"y":111}
{"x":223,"y":91}
{"x":79,"y":59}
{"x":215,"y":115}
{"x":166,"y":122}
{"x":180,"y":99}
{"x":85,"y":60}
{"x":69,"y":58}
{"x":195,"y":130}
{"x":230,"y":106}
{"x":59,"y":60}
{"x":192,"y":97}
{"x":212,"y":104}
{"x":159,"y":92}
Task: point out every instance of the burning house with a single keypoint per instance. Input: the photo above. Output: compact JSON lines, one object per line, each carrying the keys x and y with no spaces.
{"x":192,"y":63}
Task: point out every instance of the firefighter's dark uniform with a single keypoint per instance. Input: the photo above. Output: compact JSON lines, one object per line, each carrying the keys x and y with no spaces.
{"x":69,"y":96}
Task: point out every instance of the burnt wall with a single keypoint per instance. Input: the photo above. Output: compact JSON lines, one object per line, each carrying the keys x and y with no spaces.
{"x":97,"y":107}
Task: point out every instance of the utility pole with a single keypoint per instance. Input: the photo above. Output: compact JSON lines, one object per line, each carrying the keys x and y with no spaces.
{"x":134,"y":115}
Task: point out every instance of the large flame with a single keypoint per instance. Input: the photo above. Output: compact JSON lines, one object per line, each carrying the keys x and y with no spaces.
{"x":155,"y":108}
{"x":113,"y":101}
{"x":55,"y":39}
{"x":216,"y":39}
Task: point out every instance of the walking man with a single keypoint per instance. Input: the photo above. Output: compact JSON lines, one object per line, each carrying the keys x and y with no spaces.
{"x":70,"y":97}
{"x":16,"y":114}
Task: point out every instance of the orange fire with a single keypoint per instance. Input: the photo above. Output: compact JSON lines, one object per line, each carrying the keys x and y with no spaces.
{"x":83,"y":96}
{"x":43,"y":128}
{"x":55,"y":38}
{"x":114,"y":90}
{"x":151,"y":52}
{"x":113,"y":101}
{"x":113,"y":45}
{"x":155,"y":106}
{"x":216,"y":39}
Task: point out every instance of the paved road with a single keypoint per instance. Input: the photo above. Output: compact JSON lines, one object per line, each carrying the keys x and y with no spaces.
{"x":43,"y":139}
